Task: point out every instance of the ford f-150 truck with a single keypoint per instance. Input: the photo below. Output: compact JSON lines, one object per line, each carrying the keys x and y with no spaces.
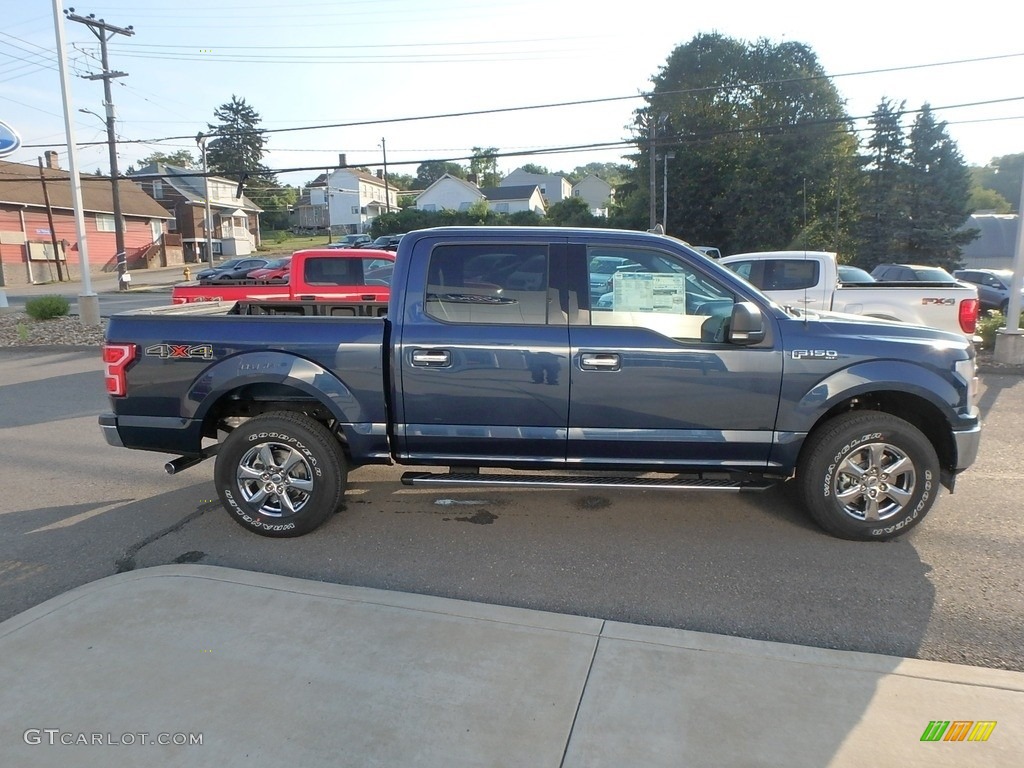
{"x":810,"y":280}
{"x":490,"y":363}
{"x":316,"y":273}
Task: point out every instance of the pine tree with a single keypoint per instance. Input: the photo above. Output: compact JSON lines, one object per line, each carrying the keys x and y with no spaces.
{"x":939,"y":191}
{"x":237,"y":145}
{"x":882,"y":232}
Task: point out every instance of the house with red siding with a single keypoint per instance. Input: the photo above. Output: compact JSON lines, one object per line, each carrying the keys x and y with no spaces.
{"x":38,"y":237}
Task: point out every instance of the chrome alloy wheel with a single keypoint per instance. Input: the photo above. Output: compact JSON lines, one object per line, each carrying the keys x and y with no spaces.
{"x":276,"y":478}
{"x":874,"y":482}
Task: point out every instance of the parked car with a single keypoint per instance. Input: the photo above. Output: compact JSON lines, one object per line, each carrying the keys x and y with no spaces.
{"x":693,"y":372}
{"x":277,"y":269}
{"x":385,"y":242}
{"x":708,"y":250}
{"x":850,"y":274}
{"x":601,"y":270}
{"x":911,"y":273}
{"x":239,"y":271}
{"x":352,"y":241}
{"x":993,"y":286}
{"x":206,"y":274}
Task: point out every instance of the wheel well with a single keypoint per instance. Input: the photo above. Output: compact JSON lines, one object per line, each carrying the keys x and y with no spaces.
{"x":915,"y":410}
{"x":255,"y":399}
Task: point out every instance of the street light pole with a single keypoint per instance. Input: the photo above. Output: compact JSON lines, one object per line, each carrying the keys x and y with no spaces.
{"x":664,"y":189}
{"x":88,"y":301}
{"x":208,"y":218}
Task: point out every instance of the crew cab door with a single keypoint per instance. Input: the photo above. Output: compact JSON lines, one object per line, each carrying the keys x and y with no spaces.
{"x":655,"y":380}
{"x":483,"y":359}
{"x":792,"y":282}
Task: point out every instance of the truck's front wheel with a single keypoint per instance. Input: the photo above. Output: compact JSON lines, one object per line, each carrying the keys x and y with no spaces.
{"x":280,"y":474}
{"x":868,"y":475}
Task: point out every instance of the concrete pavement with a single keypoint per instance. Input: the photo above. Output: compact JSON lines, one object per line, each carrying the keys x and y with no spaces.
{"x":270,"y":670}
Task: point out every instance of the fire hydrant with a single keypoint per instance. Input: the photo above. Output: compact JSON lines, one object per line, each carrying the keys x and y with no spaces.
{"x":186,"y":273}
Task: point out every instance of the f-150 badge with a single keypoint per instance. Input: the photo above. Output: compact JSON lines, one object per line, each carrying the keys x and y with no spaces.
{"x":181,"y":351}
{"x":815,"y":354}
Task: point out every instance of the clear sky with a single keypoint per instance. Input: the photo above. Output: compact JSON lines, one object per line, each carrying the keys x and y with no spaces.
{"x":302,"y":63}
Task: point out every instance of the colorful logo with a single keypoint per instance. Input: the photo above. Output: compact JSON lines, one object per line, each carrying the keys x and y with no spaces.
{"x":9,"y":140}
{"x":958,"y":730}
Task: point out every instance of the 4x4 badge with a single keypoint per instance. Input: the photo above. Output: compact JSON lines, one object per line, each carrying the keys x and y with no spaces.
{"x":181,"y":351}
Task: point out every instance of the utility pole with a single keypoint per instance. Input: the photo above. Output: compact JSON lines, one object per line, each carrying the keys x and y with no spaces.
{"x":49,"y":219}
{"x":103,"y":33}
{"x":387,"y":189}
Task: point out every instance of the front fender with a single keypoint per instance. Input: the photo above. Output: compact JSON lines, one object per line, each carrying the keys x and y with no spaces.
{"x":272,"y":367}
{"x":799,"y":412}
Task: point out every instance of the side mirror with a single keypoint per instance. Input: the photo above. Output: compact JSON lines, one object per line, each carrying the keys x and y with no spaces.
{"x":747,"y":324}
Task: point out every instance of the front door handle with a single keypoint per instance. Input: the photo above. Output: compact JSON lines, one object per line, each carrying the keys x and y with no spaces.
{"x":600,"y":361}
{"x":431,"y":358}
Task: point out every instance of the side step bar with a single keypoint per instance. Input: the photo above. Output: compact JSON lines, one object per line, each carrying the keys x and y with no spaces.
{"x":571,"y":481}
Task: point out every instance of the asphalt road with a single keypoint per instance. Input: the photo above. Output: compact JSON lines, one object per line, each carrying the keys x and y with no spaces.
{"x":75,"y":509}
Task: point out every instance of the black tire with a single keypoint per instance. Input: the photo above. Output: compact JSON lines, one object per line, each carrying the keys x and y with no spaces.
{"x":306,"y":487}
{"x":868,"y":476}
{"x":1005,"y":307}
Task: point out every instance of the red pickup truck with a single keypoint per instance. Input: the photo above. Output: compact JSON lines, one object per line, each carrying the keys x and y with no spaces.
{"x":316,"y":273}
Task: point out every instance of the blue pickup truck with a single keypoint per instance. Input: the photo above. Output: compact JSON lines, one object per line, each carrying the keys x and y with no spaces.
{"x":492,"y":364}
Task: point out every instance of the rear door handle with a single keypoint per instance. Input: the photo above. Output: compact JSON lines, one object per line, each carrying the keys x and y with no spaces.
{"x":600,"y":361}
{"x":431,"y":358}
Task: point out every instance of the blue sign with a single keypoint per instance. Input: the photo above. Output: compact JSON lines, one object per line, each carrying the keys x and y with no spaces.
{"x":9,"y":140}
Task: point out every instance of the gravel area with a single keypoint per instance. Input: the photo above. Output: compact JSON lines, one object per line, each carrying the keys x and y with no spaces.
{"x":19,"y":330}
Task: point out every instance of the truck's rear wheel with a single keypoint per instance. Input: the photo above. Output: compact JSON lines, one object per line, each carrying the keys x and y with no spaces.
{"x":868,"y":476}
{"x":280,"y":474}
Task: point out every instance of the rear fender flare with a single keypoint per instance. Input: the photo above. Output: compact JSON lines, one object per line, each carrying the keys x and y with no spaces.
{"x":269,"y":367}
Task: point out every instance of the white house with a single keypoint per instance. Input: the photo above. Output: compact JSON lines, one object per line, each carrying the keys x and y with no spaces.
{"x":354,"y":199}
{"x":449,"y":193}
{"x":554,"y":188}
{"x":509,"y":199}
{"x":455,"y":194}
{"x":596,"y":192}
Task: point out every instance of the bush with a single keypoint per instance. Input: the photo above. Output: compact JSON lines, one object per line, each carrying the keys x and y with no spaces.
{"x":988,"y":324}
{"x":47,"y":307}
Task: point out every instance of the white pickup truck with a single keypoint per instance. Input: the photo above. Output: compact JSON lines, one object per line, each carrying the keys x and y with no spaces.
{"x":810,"y":280}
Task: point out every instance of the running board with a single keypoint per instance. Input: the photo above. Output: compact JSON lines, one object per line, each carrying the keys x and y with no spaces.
{"x":569,"y":481}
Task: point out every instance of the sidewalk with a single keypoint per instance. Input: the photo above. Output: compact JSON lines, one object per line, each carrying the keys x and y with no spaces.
{"x":269,"y":670}
{"x":142,"y":280}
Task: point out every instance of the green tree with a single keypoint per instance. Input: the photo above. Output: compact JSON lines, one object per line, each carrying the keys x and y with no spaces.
{"x":485,"y":165}
{"x":183,"y":158}
{"x":236,"y":144}
{"x":761,"y":142}
{"x":882,"y":232}
{"x":572,"y":212}
{"x":988,"y":200}
{"x":540,"y":170}
{"x":432,"y":170}
{"x":1002,"y":175}
{"x":938,"y":195}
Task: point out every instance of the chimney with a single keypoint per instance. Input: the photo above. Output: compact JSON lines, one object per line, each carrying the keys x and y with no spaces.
{"x":380,"y":173}
{"x":51,"y":160}
{"x":472,"y":179}
{"x":342,"y":162}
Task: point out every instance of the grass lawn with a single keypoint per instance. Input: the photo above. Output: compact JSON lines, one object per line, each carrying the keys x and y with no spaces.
{"x":292,"y":244}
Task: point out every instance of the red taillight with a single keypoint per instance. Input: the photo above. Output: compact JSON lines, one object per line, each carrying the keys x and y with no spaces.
{"x":115,"y":360}
{"x":969,"y":316}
